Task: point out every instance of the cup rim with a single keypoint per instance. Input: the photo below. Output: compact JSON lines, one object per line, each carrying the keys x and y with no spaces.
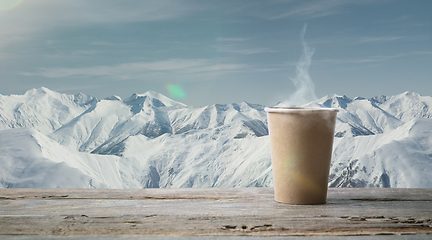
{"x":298,"y":109}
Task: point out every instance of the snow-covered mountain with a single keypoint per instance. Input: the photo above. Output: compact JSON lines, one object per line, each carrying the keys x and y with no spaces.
{"x":382,"y":141}
{"x":148,"y":140}
{"x":30,"y":159}
{"x":41,"y":109}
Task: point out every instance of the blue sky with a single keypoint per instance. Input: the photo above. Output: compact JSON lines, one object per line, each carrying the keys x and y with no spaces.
{"x":220,"y":51}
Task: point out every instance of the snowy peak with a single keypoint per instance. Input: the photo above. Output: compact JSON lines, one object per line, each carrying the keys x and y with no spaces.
{"x":39,"y":91}
{"x":379,"y":99}
{"x":410,"y":94}
{"x":241,"y":119}
{"x":103,"y":127}
{"x":149,"y":140}
{"x":336,"y":102}
{"x":45,"y":94}
{"x":82,"y":100}
{"x":152,"y":99}
{"x":113,"y":98}
{"x":41,"y":109}
{"x":375,"y":115}
{"x":409,"y":105}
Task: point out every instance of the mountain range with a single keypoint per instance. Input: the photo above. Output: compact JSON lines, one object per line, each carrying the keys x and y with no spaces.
{"x":48,"y":139}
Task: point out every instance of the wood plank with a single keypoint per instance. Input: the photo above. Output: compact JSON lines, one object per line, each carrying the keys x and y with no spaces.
{"x":212,"y":211}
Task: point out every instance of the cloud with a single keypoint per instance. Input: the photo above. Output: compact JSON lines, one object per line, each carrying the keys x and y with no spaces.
{"x":237,"y":46}
{"x":371,"y":59}
{"x":245,"y":51}
{"x":172,"y":67}
{"x":86,"y":52}
{"x":354,"y":60}
{"x":232,"y":39}
{"x":378,"y":39}
{"x":41,"y":16}
{"x":309,"y":11}
{"x":312,"y":9}
{"x":354,"y":40}
{"x":422,"y":53}
{"x":75,"y":87}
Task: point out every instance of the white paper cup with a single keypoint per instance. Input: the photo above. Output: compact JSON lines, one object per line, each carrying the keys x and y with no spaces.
{"x":301,"y":141}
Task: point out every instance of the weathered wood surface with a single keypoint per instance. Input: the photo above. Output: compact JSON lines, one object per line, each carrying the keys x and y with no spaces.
{"x":215,"y":211}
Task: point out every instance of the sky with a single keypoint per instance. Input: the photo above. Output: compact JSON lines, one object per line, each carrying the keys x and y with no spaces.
{"x":221,"y":51}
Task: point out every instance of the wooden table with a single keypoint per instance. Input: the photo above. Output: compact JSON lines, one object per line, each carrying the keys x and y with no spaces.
{"x":213,"y":212}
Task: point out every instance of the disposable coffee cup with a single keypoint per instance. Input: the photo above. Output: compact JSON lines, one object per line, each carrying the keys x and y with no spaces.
{"x":301,"y":142}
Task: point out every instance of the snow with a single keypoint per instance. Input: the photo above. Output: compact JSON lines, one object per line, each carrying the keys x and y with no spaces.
{"x":41,"y":109}
{"x":30,"y":159}
{"x":48,"y":139}
{"x":402,"y":156}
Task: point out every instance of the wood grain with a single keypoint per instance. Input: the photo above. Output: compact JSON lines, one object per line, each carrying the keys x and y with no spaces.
{"x":213,"y":211}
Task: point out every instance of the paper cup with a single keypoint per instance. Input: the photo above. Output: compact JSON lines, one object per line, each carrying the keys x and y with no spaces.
{"x":301,"y":141}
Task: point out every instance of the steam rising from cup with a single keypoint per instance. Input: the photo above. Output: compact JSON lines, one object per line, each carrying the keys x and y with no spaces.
{"x":305,"y":89}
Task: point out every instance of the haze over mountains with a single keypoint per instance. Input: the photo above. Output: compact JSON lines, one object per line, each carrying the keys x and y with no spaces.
{"x":48,"y":139}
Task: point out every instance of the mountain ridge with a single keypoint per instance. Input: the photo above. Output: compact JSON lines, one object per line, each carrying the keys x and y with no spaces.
{"x":150,"y":140}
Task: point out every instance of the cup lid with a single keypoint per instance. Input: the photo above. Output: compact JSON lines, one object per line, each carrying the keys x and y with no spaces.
{"x":299,"y":109}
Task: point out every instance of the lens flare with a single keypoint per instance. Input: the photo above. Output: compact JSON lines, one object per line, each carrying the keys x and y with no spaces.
{"x":300,"y":179}
{"x":9,"y":4}
{"x":176,"y":91}
{"x":306,"y":183}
